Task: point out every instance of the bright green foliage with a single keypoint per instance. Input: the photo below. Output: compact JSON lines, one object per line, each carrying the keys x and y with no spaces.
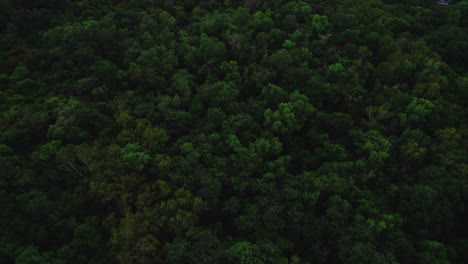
{"x":134,"y":157}
{"x":419,"y":109}
{"x":44,"y":152}
{"x":282,"y":120}
{"x":319,"y":24}
{"x":375,"y":146}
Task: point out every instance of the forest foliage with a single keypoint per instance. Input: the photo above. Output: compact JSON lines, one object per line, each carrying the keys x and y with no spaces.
{"x":142,"y":131}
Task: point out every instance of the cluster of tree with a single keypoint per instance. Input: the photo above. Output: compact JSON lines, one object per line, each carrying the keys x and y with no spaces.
{"x":233,"y":131}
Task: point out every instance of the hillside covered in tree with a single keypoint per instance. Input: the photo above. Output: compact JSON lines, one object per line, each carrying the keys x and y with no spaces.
{"x":251,"y":132}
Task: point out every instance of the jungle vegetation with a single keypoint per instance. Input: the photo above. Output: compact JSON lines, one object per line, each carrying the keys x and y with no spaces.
{"x":274,"y":131}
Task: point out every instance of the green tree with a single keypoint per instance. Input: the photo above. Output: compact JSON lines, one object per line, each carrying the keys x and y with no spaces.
{"x":134,"y":157}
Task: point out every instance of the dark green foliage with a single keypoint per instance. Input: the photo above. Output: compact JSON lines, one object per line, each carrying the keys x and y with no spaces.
{"x":233,"y":131}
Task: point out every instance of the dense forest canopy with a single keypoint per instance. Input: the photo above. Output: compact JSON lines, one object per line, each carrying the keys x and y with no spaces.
{"x":253,"y":131}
